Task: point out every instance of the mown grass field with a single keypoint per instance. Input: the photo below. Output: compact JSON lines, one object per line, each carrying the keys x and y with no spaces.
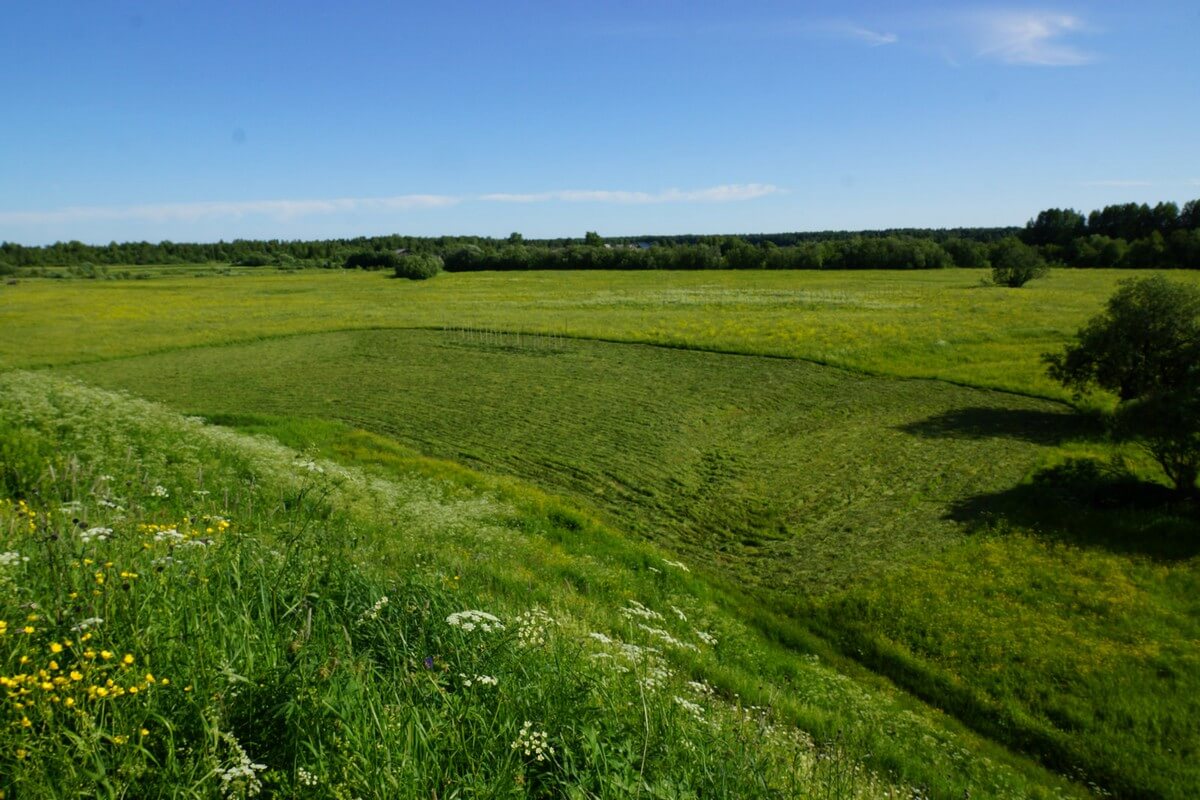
{"x":895,"y":519}
{"x":776,"y":470}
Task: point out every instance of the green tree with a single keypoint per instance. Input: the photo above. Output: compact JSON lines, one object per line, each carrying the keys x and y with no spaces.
{"x":1057,"y":226}
{"x":1145,"y":348}
{"x":1015,"y":263}
{"x":592,"y":239}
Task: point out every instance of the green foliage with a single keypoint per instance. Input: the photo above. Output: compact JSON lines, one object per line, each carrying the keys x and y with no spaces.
{"x":373,"y":260}
{"x":1015,"y":263}
{"x":1146,"y":340}
{"x":1145,"y":348}
{"x":1054,"y":226}
{"x":418,"y":266}
{"x":1167,"y":423}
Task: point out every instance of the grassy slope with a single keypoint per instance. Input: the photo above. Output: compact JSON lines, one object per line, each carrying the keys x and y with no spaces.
{"x":919,"y":324}
{"x":267,"y":633}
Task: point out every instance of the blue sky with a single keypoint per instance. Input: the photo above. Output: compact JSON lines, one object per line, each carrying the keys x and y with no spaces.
{"x":203,"y":121}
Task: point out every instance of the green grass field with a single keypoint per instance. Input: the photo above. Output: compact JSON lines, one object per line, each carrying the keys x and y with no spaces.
{"x":874,"y":516}
{"x":939,"y":324}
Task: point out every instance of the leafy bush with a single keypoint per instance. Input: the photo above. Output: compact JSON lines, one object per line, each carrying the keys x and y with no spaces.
{"x":1015,"y":263}
{"x":418,"y":266}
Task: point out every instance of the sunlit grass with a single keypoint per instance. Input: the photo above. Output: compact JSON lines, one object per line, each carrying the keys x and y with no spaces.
{"x":919,"y":324}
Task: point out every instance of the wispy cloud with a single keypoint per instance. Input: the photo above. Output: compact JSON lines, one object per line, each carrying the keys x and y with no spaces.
{"x":713,"y":194}
{"x":867,"y":36}
{"x":291,"y":209}
{"x":1034,"y":38}
{"x":195,"y":212}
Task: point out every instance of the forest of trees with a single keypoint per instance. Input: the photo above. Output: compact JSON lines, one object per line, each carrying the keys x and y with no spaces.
{"x":1128,"y":235}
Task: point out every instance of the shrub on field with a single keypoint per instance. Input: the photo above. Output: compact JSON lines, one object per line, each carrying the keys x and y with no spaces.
{"x":1015,"y":263}
{"x":418,"y":266}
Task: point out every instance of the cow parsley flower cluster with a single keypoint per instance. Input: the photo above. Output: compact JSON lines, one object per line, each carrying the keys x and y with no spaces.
{"x":533,"y":628}
{"x":95,"y":535}
{"x":240,"y":779}
{"x":374,"y":611}
{"x":160,"y":491}
{"x":11,"y":558}
{"x":481,"y":680}
{"x":472,"y":620}
{"x":636,"y":609}
{"x":695,"y":709}
{"x":534,"y":744}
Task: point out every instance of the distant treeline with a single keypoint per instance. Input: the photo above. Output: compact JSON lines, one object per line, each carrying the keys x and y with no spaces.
{"x":1128,"y":235}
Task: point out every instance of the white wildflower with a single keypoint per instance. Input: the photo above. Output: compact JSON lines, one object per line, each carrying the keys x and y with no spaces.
{"x":667,"y":637}
{"x":306,"y":778}
{"x":700,"y":687}
{"x":636,"y":609}
{"x":481,"y":680}
{"x":694,"y":708}
{"x":12,"y":557}
{"x":600,"y":637}
{"x":677,"y":564}
{"x":84,"y":624}
{"x":373,"y":612}
{"x":160,"y":491}
{"x":705,"y":637}
{"x":472,"y":619}
{"x":680,"y":614}
{"x":533,"y":627}
{"x":534,"y":744}
{"x":95,"y":534}
{"x":169,"y":535}
{"x":240,"y":778}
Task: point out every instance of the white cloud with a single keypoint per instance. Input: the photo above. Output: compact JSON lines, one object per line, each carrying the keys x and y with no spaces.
{"x":714,"y":194}
{"x":1029,"y":37}
{"x":291,"y":209}
{"x":194,"y":212}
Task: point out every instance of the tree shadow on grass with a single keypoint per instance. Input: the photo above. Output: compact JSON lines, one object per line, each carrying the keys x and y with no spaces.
{"x":1033,"y":426}
{"x":1089,"y":504}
